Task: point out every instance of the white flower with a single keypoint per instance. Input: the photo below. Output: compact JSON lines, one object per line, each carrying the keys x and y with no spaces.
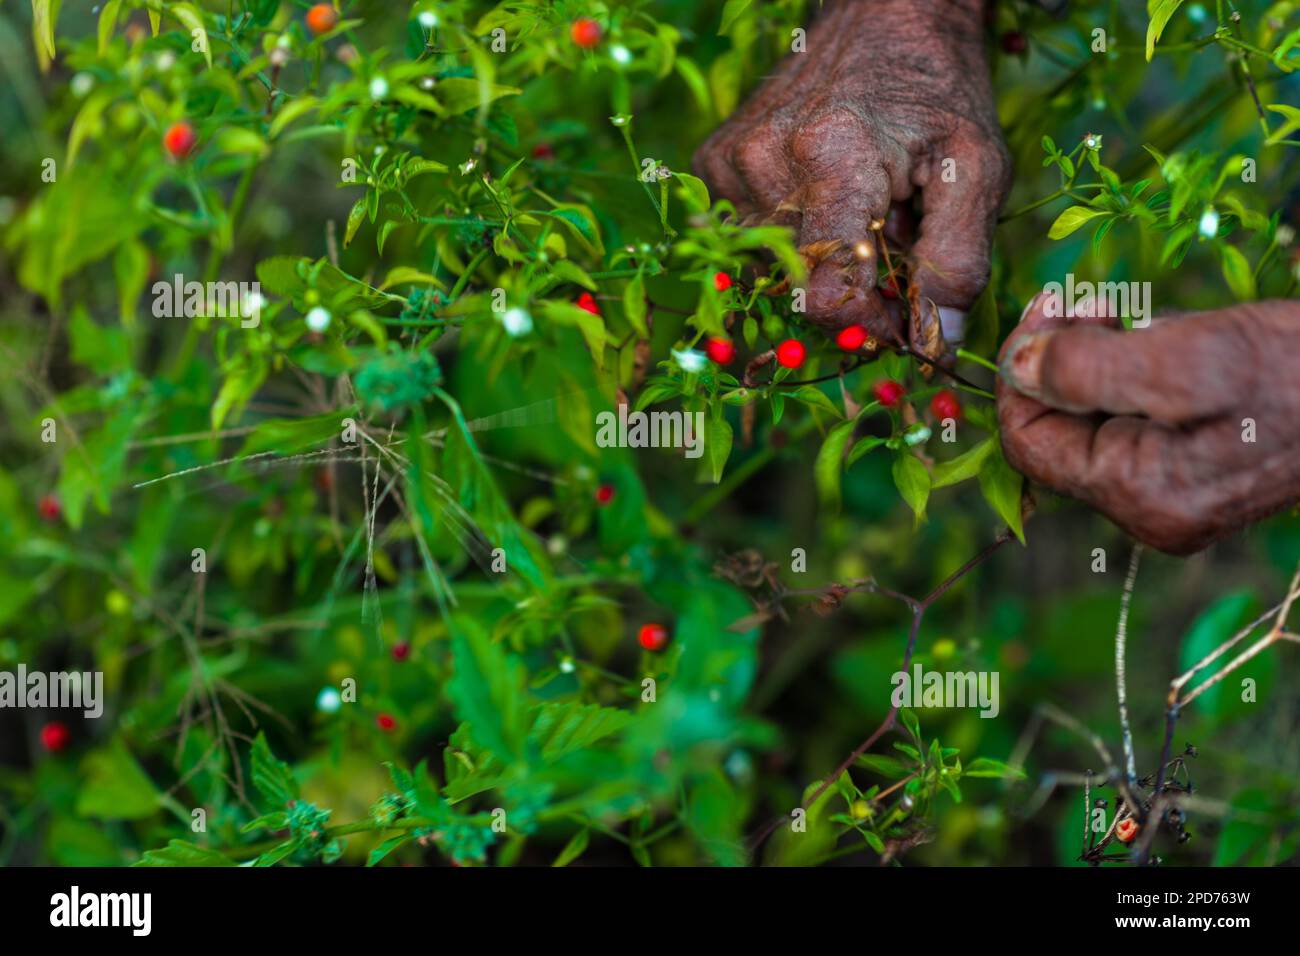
{"x":328,"y":700}
{"x":517,"y":322}
{"x":166,"y":60}
{"x":917,"y":435}
{"x":1209,"y":223}
{"x":621,"y":54}
{"x":253,"y":304}
{"x":378,"y":88}
{"x":1285,"y":235}
{"x":689,"y":360}
{"x":82,"y":84}
{"x":318,"y":319}
{"x":428,"y":19}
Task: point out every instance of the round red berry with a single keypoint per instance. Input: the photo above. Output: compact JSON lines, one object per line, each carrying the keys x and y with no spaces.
{"x":179,"y":139}
{"x":791,"y":353}
{"x":851,"y":337}
{"x":721,"y":350}
{"x":587,"y":302}
{"x":721,"y":281}
{"x":543,"y":151}
{"x":889,"y":288}
{"x":386,"y":723}
{"x":653,"y":637}
{"x":1126,"y":829}
{"x":321,"y":18}
{"x":945,"y":405}
{"x":585,"y":32}
{"x":49,"y":507}
{"x":401,"y":650}
{"x":1013,"y":41}
{"x":55,"y":736}
{"x":604,"y":494}
{"x":888,"y":392}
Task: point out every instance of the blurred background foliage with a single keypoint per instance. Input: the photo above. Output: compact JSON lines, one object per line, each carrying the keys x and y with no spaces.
{"x":525,"y":692}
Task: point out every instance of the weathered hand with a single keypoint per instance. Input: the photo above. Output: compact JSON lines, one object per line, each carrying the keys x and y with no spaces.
{"x":1180,"y":433}
{"x":891,"y":97}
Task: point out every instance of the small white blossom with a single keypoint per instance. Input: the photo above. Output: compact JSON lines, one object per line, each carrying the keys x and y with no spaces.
{"x":318,"y":319}
{"x":517,"y":322}
{"x":689,"y":360}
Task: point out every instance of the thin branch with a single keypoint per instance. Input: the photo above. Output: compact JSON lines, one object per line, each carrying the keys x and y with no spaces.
{"x":1121,"y":642}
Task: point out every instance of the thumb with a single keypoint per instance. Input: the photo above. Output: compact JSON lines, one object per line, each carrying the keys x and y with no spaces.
{"x":1174,"y":373}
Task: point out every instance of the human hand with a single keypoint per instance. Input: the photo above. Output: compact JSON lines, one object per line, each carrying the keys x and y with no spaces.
{"x":891,"y":97}
{"x":1180,"y":433}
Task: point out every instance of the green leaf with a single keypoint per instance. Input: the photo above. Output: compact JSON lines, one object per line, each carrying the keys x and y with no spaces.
{"x":732,"y":12}
{"x":889,"y":767}
{"x":693,"y":191}
{"x":913,"y":483}
{"x":576,"y":846}
{"x":487,"y":690}
{"x":189,"y":15}
{"x":107,"y":23}
{"x":814,"y":397}
{"x":1001,"y":485}
{"x":1290,"y":123}
{"x":1218,"y":622}
{"x":299,"y":106}
{"x":828,"y":466}
{"x":966,"y":465}
{"x":180,"y":853}
{"x":387,"y":847}
{"x":1071,"y":219}
{"x":272,"y":777}
{"x":101,"y":348}
{"x":860,"y":448}
{"x":591,"y":326}
{"x":634,"y":307}
{"x":559,"y":729}
{"x":1160,"y":12}
{"x":460,"y":94}
{"x":286,"y":435}
{"x":1237,"y":272}
{"x":44,"y":14}
{"x":717,"y":445}
{"x":115,"y":787}
{"x":986,"y":767}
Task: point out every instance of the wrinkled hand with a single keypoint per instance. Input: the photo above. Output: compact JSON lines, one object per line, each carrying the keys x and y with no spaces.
{"x":886,"y":91}
{"x":1149,"y":427}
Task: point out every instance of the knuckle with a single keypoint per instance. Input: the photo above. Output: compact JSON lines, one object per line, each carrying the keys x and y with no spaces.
{"x":756,"y":153}
{"x":822,"y":136}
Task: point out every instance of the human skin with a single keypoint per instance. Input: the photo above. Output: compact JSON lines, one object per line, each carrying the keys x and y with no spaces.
{"x":1146,"y":427}
{"x":1150,"y":427}
{"x":886,"y":91}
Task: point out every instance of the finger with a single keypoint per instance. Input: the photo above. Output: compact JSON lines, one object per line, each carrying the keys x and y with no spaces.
{"x":961,"y":192}
{"x":759,"y":157}
{"x":1118,"y":466}
{"x":847,"y":191}
{"x":1174,"y":372}
{"x":711,"y":164}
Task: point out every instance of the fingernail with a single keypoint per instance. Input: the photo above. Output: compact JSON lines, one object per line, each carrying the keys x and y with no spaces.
{"x":1030,"y":306}
{"x":1021,"y":367}
{"x":953,"y":323}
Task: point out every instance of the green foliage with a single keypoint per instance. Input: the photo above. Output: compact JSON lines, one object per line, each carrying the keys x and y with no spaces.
{"x":413,"y":404}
